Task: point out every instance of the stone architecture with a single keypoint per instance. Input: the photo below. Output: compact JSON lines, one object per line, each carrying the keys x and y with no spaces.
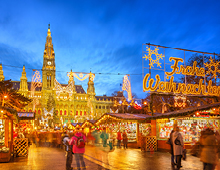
{"x":59,"y":103}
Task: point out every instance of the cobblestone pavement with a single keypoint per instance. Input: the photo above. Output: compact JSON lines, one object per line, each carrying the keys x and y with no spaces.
{"x":43,"y":158}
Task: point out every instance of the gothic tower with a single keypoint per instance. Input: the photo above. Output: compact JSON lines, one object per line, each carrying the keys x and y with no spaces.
{"x":49,"y":69}
{"x":2,"y":77}
{"x":23,"y":84}
{"x":91,"y":88}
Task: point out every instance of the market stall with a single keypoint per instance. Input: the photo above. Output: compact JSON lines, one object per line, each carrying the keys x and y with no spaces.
{"x":191,"y":122}
{"x":135,"y":125}
{"x":7,"y":116}
{"x":88,"y":126}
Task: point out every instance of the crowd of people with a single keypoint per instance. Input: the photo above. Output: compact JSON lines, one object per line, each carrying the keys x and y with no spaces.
{"x":69,"y":140}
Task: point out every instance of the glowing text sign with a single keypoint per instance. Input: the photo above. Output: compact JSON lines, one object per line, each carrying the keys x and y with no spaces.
{"x":170,"y":86}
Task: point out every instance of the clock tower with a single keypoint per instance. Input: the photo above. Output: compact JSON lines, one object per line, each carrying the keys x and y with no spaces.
{"x":49,"y":69}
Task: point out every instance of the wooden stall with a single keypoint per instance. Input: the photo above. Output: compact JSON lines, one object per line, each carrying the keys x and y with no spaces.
{"x":7,"y":116}
{"x":135,"y":125}
{"x":191,"y":121}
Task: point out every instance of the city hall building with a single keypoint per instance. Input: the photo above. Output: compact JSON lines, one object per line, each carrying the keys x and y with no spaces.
{"x":59,"y":103}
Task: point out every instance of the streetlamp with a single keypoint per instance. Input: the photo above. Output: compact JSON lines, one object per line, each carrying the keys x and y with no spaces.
{"x":5,"y":97}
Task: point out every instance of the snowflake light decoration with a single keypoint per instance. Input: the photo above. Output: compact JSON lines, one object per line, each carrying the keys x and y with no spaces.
{"x":151,"y":60}
{"x":212,"y":65}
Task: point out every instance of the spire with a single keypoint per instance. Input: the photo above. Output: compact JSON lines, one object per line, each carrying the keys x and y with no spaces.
{"x":91,"y":88}
{"x":49,"y":55}
{"x":23,"y":83}
{"x":48,"y":31}
{"x":2,"y":77}
{"x":23,"y":76}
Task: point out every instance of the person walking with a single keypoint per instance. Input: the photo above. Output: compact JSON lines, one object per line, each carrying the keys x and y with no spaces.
{"x":125,"y":139}
{"x":68,"y":149}
{"x":177,"y":142}
{"x":104,"y":137}
{"x":171,"y":149}
{"x":209,"y":150}
{"x":78,"y":142}
{"x":119,"y":138}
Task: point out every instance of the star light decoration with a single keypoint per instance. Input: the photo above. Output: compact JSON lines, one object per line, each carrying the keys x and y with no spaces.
{"x":151,"y":60}
{"x":177,"y":100}
{"x":212,"y":65}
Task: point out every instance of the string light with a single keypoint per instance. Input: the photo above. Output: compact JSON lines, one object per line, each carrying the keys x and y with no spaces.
{"x":127,"y":86}
{"x":81,"y":76}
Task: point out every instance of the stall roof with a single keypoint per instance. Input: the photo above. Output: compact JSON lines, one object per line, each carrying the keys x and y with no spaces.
{"x":75,"y":124}
{"x":184,"y":112}
{"x":128,"y":116}
{"x":12,"y":112}
{"x":90,"y":122}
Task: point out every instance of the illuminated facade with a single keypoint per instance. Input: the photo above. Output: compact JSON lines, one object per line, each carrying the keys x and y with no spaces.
{"x":63,"y":102}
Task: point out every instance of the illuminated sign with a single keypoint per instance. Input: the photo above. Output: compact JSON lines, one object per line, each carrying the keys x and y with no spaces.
{"x":204,"y":88}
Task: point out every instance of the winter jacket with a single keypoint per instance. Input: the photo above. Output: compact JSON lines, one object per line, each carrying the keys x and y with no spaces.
{"x":177,"y":149}
{"x":208,"y":144}
{"x":73,"y":142}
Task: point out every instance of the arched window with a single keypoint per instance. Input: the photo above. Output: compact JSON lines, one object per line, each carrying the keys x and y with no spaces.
{"x":39,"y":112}
{"x":30,"y":110}
{"x":49,"y":80}
{"x":60,"y":112}
{"x":76,"y":112}
{"x":64,"y":112}
{"x":80,"y":113}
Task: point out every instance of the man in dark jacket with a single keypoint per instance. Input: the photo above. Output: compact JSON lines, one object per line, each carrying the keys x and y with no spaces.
{"x":68,"y":149}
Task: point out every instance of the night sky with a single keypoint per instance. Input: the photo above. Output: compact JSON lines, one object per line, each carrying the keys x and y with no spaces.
{"x":104,"y":37}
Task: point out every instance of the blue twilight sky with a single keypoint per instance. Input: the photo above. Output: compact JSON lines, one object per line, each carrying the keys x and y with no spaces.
{"x":102,"y":36}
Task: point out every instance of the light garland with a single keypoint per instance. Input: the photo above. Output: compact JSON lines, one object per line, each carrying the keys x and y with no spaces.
{"x":127,"y":86}
{"x":81,"y":76}
{"x":35,"y":82}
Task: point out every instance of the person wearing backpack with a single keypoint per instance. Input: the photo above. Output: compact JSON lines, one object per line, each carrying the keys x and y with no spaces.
{"x":78,"y":142}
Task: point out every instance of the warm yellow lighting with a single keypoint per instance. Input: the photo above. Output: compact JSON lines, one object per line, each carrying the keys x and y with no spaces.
{"x":188,"y":70}
{"x":5,"y":97}
{"x":127,"y":86}
{"x":211,"y":65}
{"x":149,"y":57}
{"x":81,"y":77}
{"x":2,"y":111}
{"x":170,"y":86}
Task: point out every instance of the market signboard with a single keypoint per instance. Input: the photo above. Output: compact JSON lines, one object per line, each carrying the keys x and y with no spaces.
{"x":26,"y":115}
{"x":162,"y":71}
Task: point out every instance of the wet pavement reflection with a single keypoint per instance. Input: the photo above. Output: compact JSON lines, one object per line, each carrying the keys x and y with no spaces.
{"x":46,"y":158}
{"x":137,"y":159}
